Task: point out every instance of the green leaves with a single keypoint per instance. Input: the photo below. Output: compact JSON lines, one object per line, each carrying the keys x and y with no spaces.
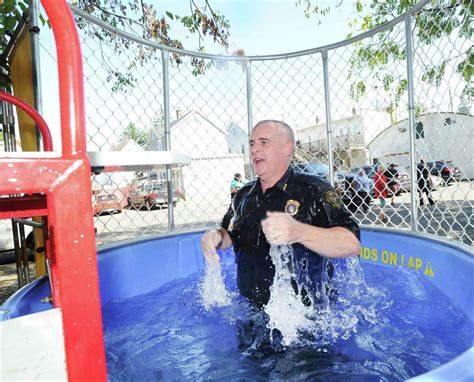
{"x":434,"y":74}
{"x":140,"y":17}
{"x":466,"y":67}
{"x":11,"y":12}
{"x":442,"y":19}
{"x":358,"y":90}
{"x":134,"y":133}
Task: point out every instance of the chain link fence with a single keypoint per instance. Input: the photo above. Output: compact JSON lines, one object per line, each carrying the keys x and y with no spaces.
{"x":397,"y":95}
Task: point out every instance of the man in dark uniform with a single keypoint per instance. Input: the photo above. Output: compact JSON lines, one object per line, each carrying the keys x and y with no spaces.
{"x":281,"y":207}
{"x":392,"y":174}
{"x":424,"y":183}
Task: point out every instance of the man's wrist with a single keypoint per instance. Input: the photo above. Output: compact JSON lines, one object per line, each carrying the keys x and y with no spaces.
{"x":219,"y":245}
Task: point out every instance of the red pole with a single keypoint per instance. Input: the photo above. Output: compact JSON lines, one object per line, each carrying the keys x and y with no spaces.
{"x":74,"y":261}
{"x":40,"y":122}
{"x":71,"y":91}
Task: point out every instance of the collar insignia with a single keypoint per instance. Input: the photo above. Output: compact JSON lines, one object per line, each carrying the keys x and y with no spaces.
{"x":333,"y":199}
{"x":292,"y":207}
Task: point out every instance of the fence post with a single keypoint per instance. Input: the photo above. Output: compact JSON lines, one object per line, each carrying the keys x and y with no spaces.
{"x":327,"y":102}
{"x":411,"y":124}
{"x":166,"y":103}
{"x":248,"y":76}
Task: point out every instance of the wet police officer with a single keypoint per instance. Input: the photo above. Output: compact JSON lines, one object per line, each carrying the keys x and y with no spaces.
{"x":280,"y":207}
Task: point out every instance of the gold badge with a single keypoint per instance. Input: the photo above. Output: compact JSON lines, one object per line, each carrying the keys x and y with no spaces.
{"x":333,"y":199}
{"x":292,"y":207}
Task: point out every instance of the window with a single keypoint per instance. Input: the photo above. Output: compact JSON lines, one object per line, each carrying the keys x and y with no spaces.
{"x":449,"y":121}
{"x":419,"y":131}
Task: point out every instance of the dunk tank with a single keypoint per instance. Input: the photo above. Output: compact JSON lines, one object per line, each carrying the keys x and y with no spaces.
{"x":144,"y":309}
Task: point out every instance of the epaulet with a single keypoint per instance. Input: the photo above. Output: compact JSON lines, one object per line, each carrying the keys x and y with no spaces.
{"x":309,"y":179}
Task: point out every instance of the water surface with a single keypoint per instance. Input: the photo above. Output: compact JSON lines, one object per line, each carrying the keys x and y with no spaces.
{"x":388,"y":325}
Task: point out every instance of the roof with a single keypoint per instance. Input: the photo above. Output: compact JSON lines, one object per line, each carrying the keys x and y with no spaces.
{"x":155,"y":137}
{"x":128,"y":145}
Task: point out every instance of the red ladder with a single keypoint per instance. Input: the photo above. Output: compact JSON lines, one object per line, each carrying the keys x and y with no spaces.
{"x":60,"y":183}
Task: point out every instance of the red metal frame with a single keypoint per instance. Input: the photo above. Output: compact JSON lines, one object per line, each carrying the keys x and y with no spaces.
{"x":40,"y":122}
{"x":65,"y":181}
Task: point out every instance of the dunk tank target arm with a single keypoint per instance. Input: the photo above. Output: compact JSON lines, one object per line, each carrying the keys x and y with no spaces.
{"x":64,"y":178}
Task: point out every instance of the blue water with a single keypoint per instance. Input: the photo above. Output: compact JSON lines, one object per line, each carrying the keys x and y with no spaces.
{"x":394,"y":325}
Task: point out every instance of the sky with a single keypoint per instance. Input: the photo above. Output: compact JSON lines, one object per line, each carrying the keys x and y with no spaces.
{"x":263,"y":27}
{"x":260,"y":27}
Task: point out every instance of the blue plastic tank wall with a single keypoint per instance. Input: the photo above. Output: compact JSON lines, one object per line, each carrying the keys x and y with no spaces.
{"x":448,"y":265}
{"x":137,"y":267}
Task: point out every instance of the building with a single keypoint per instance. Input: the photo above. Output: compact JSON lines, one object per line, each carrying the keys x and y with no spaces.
{"x":237,"y":139}
{"x":351,"y":136}
{"x":214,"y":160}
{"x":438,"y":136}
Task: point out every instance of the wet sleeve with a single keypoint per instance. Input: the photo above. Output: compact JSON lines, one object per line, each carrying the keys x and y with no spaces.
{"x":227,"y":218}
{"x":335,"y":214}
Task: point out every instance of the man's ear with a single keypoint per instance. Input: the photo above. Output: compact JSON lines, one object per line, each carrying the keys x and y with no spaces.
{"x":288,"y":149}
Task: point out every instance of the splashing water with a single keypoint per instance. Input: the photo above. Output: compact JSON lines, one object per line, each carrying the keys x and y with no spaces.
{"x":301,"y":324}
{"x":285,"y":309}
{"x":213,"y":290}
{"x":321,"y":323}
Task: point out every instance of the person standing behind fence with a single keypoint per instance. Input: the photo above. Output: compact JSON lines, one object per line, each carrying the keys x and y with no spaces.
{"x":391,"y":174}
{"x":381,"y":191}
{"x":362,"y":188}
{"x":236,"y":184}
{"x":424,"y":183}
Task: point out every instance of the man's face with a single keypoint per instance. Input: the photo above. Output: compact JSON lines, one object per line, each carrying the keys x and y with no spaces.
{"x":271,"y":151}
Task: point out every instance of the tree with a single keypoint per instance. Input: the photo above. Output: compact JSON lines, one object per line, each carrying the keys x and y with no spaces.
{"x":141,"y":18}
{"x":135,"y":134}
{"x":435,"y":21}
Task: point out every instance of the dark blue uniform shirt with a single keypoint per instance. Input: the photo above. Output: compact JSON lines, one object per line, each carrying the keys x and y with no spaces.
{"x":310,"y":200}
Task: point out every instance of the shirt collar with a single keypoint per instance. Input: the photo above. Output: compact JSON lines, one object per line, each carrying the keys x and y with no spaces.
{"x":283,"y":184}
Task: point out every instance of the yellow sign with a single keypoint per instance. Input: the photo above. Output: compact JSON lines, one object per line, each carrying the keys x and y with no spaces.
{"x":397,"y":260}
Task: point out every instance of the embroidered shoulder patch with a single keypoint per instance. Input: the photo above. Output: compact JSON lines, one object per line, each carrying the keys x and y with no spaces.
{"x":292,"y":207}
{"x":333,"y":199}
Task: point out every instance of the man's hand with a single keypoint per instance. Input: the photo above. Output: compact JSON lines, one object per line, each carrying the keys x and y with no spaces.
{"x":280,"y":228}
{"x":210,"y":241}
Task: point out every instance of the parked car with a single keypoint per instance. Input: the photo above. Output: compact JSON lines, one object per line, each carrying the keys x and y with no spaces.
{"x":345,"y":187}
{"x":369,"y":170}
{"x":106,"y":202}
{"x":319,"y":169}
{"x":343,"y":184}
{"x":403,"y":179}
{"x":447,"y":170}
{"x":437,"y":183}
{"x":150,"y":194}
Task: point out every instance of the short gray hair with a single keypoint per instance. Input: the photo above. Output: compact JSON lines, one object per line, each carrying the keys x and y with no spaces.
{"x":282,"y":125}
